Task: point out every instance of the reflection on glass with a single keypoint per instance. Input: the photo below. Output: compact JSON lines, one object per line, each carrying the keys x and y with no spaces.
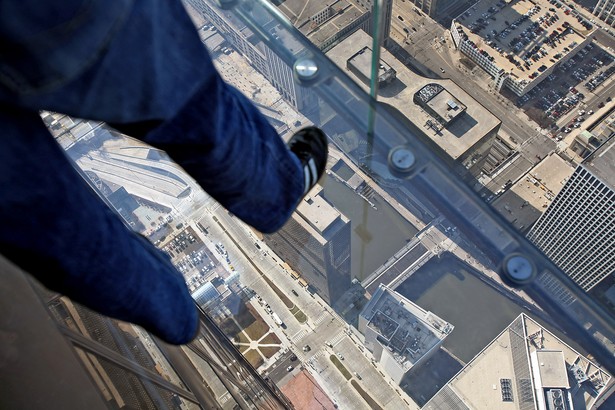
{"x":404,"y":204}
{"x":122,"y":388}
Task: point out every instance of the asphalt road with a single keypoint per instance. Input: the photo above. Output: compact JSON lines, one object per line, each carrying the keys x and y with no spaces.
{"x":605,"y":39}
{"x":278,"y":370}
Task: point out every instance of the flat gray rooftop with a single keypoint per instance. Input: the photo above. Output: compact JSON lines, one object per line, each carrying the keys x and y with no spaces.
{"x":446,"y":106}
{"x":552,"y":368}
{"x":409,"y":330}
{"x":342,"y":14}
{"x":317,"y":215}
{"x":362,"y":61}
{"x":602,"y":163}
{"x":456,"y":139}
{"x":527,"y":199}
{"x":299,"y":11}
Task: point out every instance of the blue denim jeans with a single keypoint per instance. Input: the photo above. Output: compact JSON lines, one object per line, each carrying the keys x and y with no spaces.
{"x":141,"y":67}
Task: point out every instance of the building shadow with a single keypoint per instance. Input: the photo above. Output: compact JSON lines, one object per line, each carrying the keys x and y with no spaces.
{"x":391,"y":90}
{"x":429,"y":275}
{"x":462,"y":125}
{"x":423,"y":382}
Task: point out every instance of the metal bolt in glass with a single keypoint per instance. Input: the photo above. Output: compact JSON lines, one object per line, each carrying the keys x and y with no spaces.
{"x":306,"y":69}
{"x":518,"y":268}
{"x":401,"y":159}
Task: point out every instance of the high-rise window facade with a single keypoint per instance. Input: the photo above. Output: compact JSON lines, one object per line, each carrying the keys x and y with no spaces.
{"x":605,"y":10}
{"x":578,"y":230}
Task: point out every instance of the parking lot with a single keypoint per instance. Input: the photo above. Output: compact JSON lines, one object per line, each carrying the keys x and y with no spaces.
{"x":192,"y":258}
{"x":571,"y":84}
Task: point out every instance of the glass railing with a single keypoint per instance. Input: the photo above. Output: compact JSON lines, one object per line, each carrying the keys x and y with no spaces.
{"x":395,"y":284}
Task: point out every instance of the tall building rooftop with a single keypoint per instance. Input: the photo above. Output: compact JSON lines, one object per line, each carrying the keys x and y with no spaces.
{"x":458,"y":136}
{"x":319,"y":214}
{"x":401,"y":327}
{"x":525,"y":367}
{"x":602,"y":162}
{"x":315,"y":242}
{"x":361,"y":64}
{"x":440,"y":103}
{"x":551,"y":368}
{"x":320,"y":21}
{"x":529,"y":197}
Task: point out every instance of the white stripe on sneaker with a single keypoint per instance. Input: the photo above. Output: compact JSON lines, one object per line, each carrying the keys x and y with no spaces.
{"x":312,"y":166}
{"x":306,"y":178}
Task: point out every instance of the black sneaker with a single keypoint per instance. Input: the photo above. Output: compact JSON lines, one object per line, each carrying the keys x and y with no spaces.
{"x":310,"y":146}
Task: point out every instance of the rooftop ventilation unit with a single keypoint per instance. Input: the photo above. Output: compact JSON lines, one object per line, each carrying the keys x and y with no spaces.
{"x":578,"y":373}
{"x":506,"y":388}
{"x":556,"y":399}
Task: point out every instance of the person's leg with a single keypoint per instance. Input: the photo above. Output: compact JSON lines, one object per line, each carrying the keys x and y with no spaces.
{"x":155,"y":81}
{"x":55,"y":227}
{"x":235,"y":155}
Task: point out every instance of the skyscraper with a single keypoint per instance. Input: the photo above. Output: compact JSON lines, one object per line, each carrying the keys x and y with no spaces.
{"x":315,"y":242}
{"x":577,"y":231}
{"x":324,"y":25}
{"x":400,"y":334}
{"x":605,"y":10}
{"x":387,"y":12}
{"x":260,"y":56}
{"x":526,"y":367}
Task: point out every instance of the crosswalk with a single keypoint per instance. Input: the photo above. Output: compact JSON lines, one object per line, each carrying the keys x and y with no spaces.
{"x":319,"y":354}
{"x":321,"y":319}
{"x":337,"y":338}
{"x":299,"y":335}
{"x":316,"y":356}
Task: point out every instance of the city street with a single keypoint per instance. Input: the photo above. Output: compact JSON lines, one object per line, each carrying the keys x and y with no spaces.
{"x":324,"y":331}
{"x":301,"y":331}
